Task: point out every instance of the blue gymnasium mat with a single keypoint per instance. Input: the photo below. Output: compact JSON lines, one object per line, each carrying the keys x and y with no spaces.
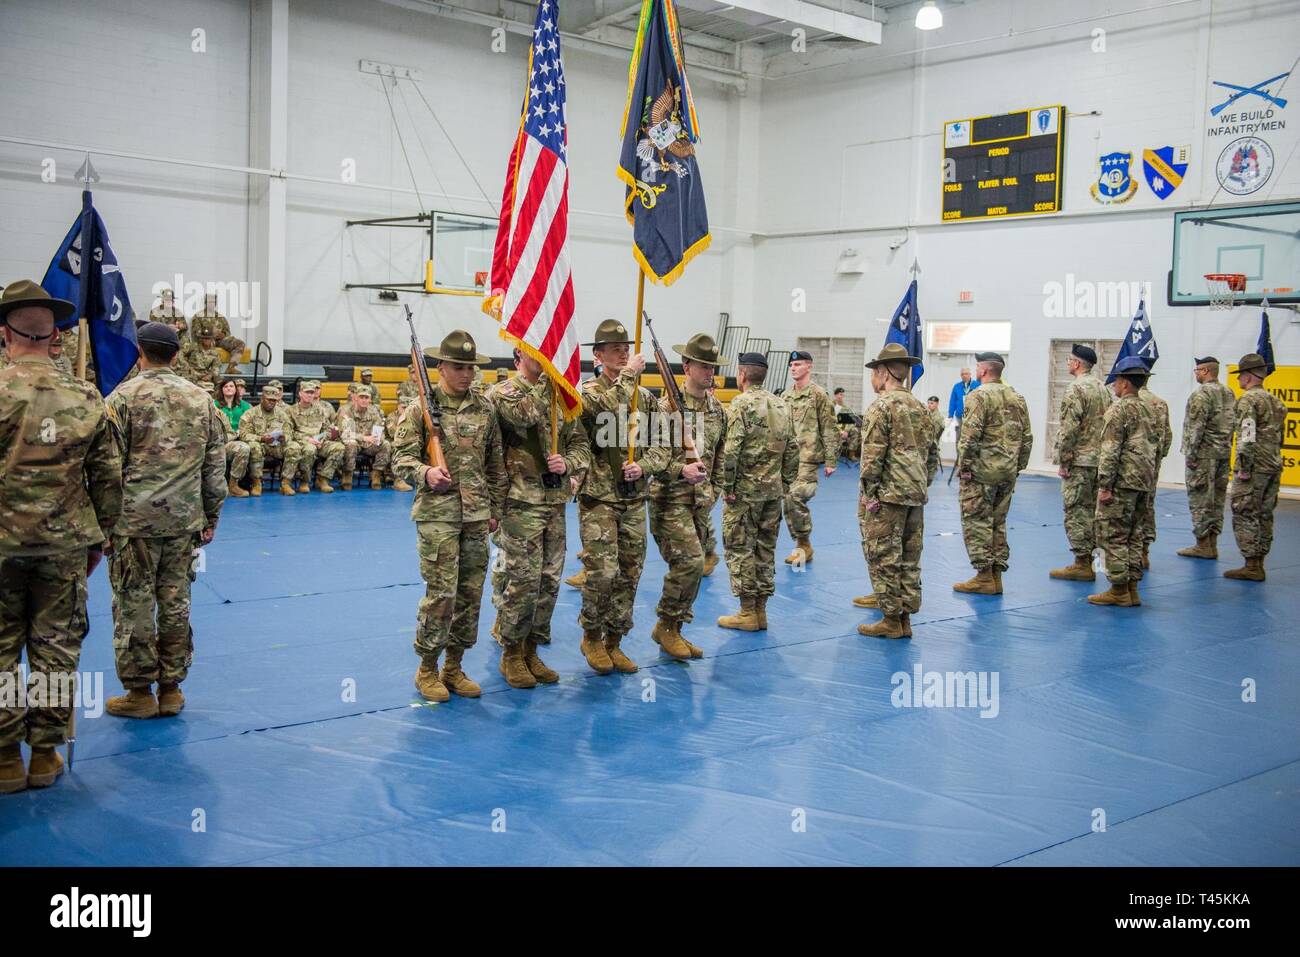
{"x":776,"y":748}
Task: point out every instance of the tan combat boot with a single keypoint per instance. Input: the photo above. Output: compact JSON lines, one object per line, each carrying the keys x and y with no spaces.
{"x":1117,"y":595}
{"x":323,"y":485}
{"x":454,"y":678}
{"x":45,"y":768}
{"x":760,"y":609}
{"x":888,"y":627}
{"x":401,"y":485}
{"x":286,"y":488}
{"x":513,"y":669}
{"x":621,"y":662}
{"x":536,"y":667}
{"x":1146,"y":556}
{"x":303,"y":487}
{"x":867,"y":601}
{"x":803,"y":546}
{"x":1133,"y":597}
{"x":906,"y":619}
{"x":1252,"y":571}
{"x":593,"y":649}
{"x":136,"y":703}
{"x":429,"y":684}
{"x":256,"y":490}
{"x":170,"y":700}
{"x":578,"y":579}
{"x":667,"y":637}
{"x":1204,"y":548}
{"x":376,"y":480}
{"x":747,"y":620}
{"x":710,"y":563}
{"x":1080,"y":571}
{"x":345,"y":482}
{"x":13,"y":773}
{"x":234,"y":491}
{"x":984,"y":583}
{"x":695,"y":650}
{"x":997,"y":579}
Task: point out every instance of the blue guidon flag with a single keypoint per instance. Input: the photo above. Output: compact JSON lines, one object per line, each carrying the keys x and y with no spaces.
{"x":665,"y":196}
{"x":1164,"y":169}
{"x":85,"y":271}
{"x":1140,"y":342}
{"x":1264,"y":346}
{"x":905,"y":329}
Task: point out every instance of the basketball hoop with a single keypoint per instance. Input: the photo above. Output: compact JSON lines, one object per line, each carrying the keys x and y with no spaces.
{"x":1224,"y":287}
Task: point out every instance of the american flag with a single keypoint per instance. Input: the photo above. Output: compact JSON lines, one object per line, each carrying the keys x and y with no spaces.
{"x":531,"y":285}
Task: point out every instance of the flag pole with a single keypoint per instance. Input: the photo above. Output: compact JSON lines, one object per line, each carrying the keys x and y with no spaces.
{"x":640,"y":304}
{"x":555,"y":425}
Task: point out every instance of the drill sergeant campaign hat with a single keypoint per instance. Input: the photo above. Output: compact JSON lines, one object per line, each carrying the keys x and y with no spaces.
{"x":24,"y":293}
{"x":611,"y":332}
{"x":893,"y":352}
{"x":1252,"y":362}
{"x":458,"y":346}
{"x":1086,"y":353}
{"x":700,"y":348}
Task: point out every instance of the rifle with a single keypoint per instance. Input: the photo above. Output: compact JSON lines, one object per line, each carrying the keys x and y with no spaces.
{"x":429,"y":408}
{"x":672,"y":392}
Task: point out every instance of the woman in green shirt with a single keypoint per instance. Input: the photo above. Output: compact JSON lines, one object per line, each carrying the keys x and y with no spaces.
{"x":230,"y":404}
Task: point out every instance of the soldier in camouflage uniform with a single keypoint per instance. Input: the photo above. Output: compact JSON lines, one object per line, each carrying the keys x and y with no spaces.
{"x":936,"y":416}
{"x":1126,"y":478}
{"x":58,"y":357}
{"x":531,"y":538}
{"x":455,"y":507}
{"x":760,"y":463}
{"x":237,"y":453}
{"x":994,"y":448}
{"x":850,"y":432}
{"x":367,"y":385}
{"x":819,"y":445}
{"x":221,"y":332}
{"x":612,"y":500}
{"x":169,"y":313}
{"x":900,"y":456}
{"x":682,"y":497}
{"x":71,"y":340}
{"x":316,"y":437}
{"x":202,"y":361}
{"x":268,"y":430}
{"x":60,"y":496}
{"x":1260,"y":421}
{"x":1077,"y":440}
{"x":406,"y":391}
{"x":1207,"y":451}
{"x":1162,"y":435}
{"x":173,"y":445}
{"x":362,"y":430}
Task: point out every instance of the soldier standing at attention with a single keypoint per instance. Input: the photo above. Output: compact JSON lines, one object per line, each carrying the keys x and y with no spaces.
{"x":682,"y":498}
{"x":611,"y":501}
{"x":1260,"y":421}
{"x":268,"y":431}
{"x":819,"y":444}
{"x":455,"y":508}
{"x":1162,"y":434}
{"x":1077,"y":440}
{"x":532,"y":533}
{"x":317,"y":439}
{"x":60,"y":496}
{"x":173,"y":444}
{"x":936,"y":417}
{"x":760,"y":463}
{"x":1207,"y":448}
{"x":994,"y":448}
{"x":1126,"y":478}
{"x":900,"y":456}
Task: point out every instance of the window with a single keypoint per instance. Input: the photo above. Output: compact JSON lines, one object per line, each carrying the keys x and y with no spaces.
{"x":837,"y":363}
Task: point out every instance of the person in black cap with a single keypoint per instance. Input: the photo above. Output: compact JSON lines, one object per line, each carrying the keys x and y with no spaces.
{"x":1077,"y":440}
{"x":1207,"y":452}
{"x":819,"y":447}
{"x":760,"y":461}
{"x":1260,"y":423}
{"x":996,"y":440}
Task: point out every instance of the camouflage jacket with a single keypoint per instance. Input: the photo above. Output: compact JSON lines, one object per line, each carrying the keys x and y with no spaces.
{"x":375,"y":400}
{"x":606,"y":417}
{"x":311,"y":421}
{"x":1208,"y":421}
{"x":71,"y":344}
{"x":1127,"y":457}
{"x":708,"y":422}
{"x":814,"y":424}
{"x":900,"y":450}
{"x":940,"y":423}
{"x":471,"y":444}
{"x":406,"y":391}
{"x":1261,"y":420}
{"x":1162,"y":433}
{"x":1082,"y":410}
{"x":215,"y":324}
{"x":257,"y":422}
{"x":760,"y":459}
{"x":996,"y":438}
{"x":203,"y":367}
{"x":524,"y":414}
{"x":354,"y":424}
{"x":173,"y":446}
{"x":60,"y":470}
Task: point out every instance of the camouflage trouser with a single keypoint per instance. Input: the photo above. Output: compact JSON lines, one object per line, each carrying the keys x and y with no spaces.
{"x":749,"y":531}
{"x":260,"y":452}
{"x":326,"y":458}
{"x":453,"y":564}
{"x":891,"y":544}
{"x":1119,"y":533}
{"x":704,"y":528}
{"x":613,"y":537}
{"x":237,"y":459}
{"x":149,"y":574}
{"x":984,"y":522}
{"x":678,"y":537}
{"x":798,"y":517}
{"x":1079,"y":492}
{"x":1253,"y":502}
{"x":233,"y":346}
{"x":1207,"y":489}
{"x":528,"y":569}
{"x":42,"y":609}
{"x":851,"y":446}
{"x":377,"y":457}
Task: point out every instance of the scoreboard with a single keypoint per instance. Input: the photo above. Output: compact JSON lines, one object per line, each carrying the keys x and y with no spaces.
{"x":1008,"y":165}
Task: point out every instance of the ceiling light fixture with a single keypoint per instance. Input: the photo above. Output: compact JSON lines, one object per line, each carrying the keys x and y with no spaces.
{"x":929,"y":17}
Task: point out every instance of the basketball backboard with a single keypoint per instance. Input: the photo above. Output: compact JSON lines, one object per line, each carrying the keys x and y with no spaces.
{"x":1261,"y":241}
{"x":462,"y":250}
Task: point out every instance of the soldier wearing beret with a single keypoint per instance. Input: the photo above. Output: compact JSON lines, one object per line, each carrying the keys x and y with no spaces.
{"x":1207,"y":450}
{"x":819,"y":446}
{"x":1260,"y":423}
{"x":1077,"y":439}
